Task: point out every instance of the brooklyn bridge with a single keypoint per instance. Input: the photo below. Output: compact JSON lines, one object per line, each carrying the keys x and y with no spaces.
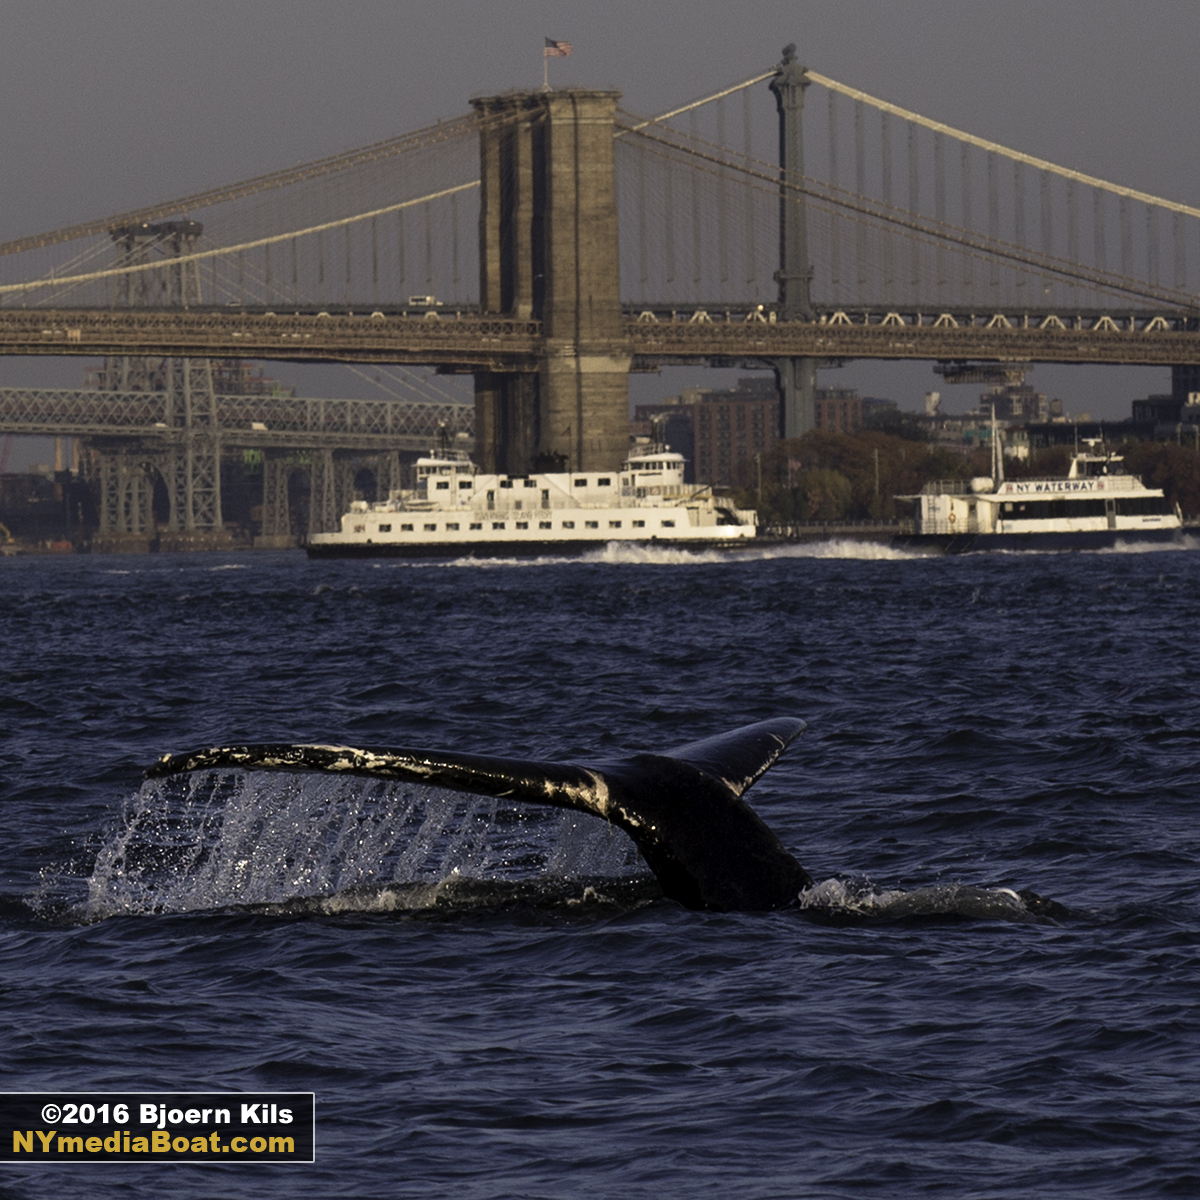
{"x":548,"y":243}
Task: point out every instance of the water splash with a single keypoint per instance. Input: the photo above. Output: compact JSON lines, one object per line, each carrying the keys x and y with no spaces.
{"x":643,"y":553}
{"x":213,"y":839}
{"x":836,"y":898}
{"x":622,"y":552}
{"x":1186,"y":541}
{"x":856,"y":548}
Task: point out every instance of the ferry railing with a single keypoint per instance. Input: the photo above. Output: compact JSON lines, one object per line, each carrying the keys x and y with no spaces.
{"x":860,"y":527}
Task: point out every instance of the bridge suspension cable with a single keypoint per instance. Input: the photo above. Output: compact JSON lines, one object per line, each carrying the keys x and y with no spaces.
{"x":874,"y":203}
{"x":677,"y":112}
{"x":222,"y":251}
{"x":1016,"y":156}
{"x":870,"y":212}
{"x":724,"y":201}
{"x":334,"y":163}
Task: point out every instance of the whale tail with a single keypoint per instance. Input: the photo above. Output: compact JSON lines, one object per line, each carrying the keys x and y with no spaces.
{"x":683,"y":809}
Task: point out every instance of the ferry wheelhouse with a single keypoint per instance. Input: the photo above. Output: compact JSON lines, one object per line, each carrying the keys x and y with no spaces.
{"x":457,"y":510}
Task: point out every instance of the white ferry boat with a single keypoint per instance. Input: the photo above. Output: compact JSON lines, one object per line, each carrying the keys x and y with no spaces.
{"x":457,"y":511}
{"x":1097,"y":504}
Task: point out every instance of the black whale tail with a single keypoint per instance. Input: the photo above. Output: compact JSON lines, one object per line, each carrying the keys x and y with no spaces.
{"x":683,"y":809}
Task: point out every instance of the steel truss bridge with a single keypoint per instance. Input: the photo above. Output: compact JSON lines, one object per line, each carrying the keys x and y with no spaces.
{"x":657,"y":335}
{"x":874,"y":231}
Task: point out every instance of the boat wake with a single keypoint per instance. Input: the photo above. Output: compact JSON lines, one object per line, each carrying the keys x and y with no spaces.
{"x":615,"y":552}
{"x":638,"y":553}
{"x":1186,"y":541}
{"x":844,"y":548}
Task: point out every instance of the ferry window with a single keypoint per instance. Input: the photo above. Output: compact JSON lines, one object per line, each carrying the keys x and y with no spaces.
{"x":444,"y":483}
{"x":476,"y":525}
{"x":522,"y":524}
{"x":360,"y":529}
{"x":580,"y":481}
{"x":639,"y":524}
{"x":543,"y":524}
{"x":465,"y":483}
{"x":1143,"y":506}
{"x":385,"y":529}
{"x":614,"y":524}
{"x":1041,"y":510}
{"x":603,"y":482}
{"x":406,"y":529}
{"x":568,"y":524}
{"x":591,"y":524}
{"x":506,"y":483}
{"x":452,"y":526}
{"x":430,"y":528}
{"x":497,"y":524}
{"x":667,"y":524}
{"x":531,"y":483}
{"x":545,"y":497}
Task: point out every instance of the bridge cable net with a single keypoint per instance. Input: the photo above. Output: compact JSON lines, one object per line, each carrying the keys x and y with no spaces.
{"x":902,"y":213}
{"x":367,"y":229}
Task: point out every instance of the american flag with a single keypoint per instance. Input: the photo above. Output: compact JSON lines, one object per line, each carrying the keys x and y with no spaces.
{"x":557,"y":49}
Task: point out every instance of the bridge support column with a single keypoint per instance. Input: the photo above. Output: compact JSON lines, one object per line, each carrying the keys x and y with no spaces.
{"x":796,"y":379}
{"x":192,"y":469}
{"x":126,"y":500}
{"x":507,"y":421}
{"x":332,"y":481}
{"x":322,"y":498}
{"x":276,"y":511}
{"x":388,"y":474}
{"x":548,"y":250}
{"x":797,"y":376}
{"x":196,"y":467}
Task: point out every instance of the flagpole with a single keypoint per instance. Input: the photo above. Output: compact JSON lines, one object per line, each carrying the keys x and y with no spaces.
{"x":552,"y":50}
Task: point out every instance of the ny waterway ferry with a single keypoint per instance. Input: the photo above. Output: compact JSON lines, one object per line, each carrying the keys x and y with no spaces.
{"x":1097,"y":504}
{"x":456,"y":510}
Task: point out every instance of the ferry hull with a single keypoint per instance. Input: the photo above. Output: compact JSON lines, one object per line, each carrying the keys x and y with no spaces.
{"x":517,"y":549}
{"x":1086,"y":539}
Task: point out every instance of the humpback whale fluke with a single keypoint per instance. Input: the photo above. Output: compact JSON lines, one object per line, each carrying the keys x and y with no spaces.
{"x":683,"y":809}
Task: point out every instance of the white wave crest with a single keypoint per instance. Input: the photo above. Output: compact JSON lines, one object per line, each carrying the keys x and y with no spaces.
{"x":941,"y":899}
{"x":644,"y":553}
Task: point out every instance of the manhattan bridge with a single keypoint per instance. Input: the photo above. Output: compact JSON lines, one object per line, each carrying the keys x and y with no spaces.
{"x":547,"y":244}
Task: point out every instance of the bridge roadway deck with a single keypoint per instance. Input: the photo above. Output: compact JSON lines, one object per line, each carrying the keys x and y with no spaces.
{"x":472,"y":342}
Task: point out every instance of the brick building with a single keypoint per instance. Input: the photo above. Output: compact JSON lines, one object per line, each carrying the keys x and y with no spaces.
{"x":837,"y":409}
{"x":718,"y":430}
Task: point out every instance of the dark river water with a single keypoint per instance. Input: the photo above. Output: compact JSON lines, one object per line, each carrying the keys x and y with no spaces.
{"x":478,"y":1020}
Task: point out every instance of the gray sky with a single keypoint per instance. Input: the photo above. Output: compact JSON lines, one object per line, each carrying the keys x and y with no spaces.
{"x":112,"y":104}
